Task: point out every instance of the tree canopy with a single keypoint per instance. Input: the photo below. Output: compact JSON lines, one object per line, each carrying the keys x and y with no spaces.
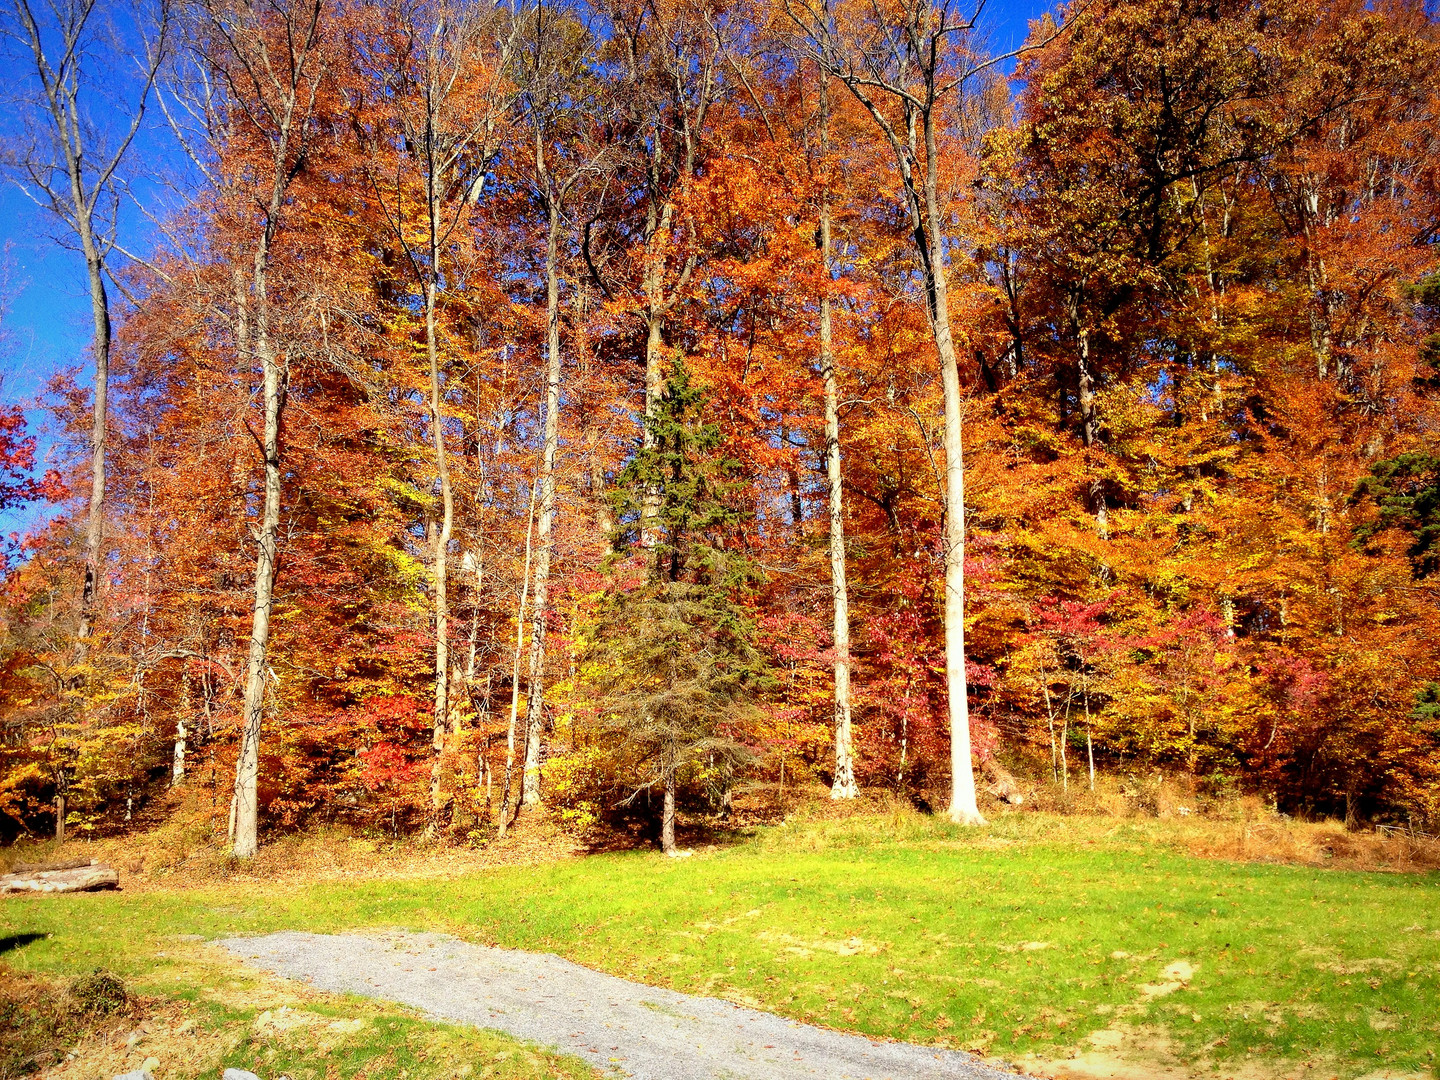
{"x":500,"y":358}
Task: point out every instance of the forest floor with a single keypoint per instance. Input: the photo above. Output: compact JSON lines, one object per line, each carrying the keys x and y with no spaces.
{"x":1085,"y":948}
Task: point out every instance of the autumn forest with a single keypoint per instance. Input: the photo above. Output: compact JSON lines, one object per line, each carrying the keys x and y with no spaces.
{"x":634,"y":407}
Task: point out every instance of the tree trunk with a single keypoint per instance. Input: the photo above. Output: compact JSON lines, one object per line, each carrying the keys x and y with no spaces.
{"x":441,"y":553}
{"x":253,"y":330}
{"x":1089,"y":416}
{"x":1065,"y":747}
{"x":247,"y":765}
{"x":792,"y":481}
{"x":963,"y":808}
{"x":1089,"y":741}
{"x":177,"y":769}
{"x":657,"y":226}
{"x":504,"y":822}
{"x":667,"y":815}
{"x":81,"y":879}
{"x":535,"y":701}
{"x":60,"y":817}
{"x":654,"y":385}
{"x":844,"y":786}
{"x":94,"y":521}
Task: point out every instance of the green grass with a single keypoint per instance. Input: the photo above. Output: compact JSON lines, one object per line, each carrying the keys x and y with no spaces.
{"x":911,"y":930}
{"x":385,"y":1045}
{"x":223,"y":1015}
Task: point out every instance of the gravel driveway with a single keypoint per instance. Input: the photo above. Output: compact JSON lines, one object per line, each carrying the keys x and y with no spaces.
{"x":640,"y":1031}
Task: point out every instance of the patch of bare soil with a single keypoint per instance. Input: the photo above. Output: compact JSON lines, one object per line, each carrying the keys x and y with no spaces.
{"x":169,"y":1037}
{"x":1147,"y":1055}
{"x":1129,"y":1050}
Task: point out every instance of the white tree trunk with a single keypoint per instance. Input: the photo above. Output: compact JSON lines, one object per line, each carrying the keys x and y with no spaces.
{"x":963,"y":807}
{"x":844,"y":786}
{"x":504,"y":822}
{"x":177,"y":769}
{"x":535,"y":700}
{"x":442,"y":548}
{"x":247,"y":765}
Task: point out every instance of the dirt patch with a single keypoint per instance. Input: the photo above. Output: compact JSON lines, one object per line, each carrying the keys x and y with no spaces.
{"x":170,"y":1037}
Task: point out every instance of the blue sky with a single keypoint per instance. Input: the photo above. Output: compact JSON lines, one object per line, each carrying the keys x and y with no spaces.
{"x":48,"y":324}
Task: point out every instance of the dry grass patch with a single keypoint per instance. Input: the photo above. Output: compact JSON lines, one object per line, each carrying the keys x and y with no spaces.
{"x":189,"y":850}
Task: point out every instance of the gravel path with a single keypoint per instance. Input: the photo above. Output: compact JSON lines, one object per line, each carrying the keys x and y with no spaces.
{"x":641,"y":1031}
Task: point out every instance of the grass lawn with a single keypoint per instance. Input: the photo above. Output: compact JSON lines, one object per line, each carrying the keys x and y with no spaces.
{"x":1008,"y":941}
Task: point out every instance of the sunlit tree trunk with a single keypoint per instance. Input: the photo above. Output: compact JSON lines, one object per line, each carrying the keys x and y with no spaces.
{"x":903,"y":66}
{"x":963,"y":807}
{"x":294,"y":97}
{"x":504,"y":822}
{"x":667,"y":813}
{"x":535,"y":700}
{"x":95,"y":513}
{"x":657,"y":224}
{"x":247,"y":766}
{"x":442,"y":545}
{"x":844,"y":786}
{"x":177,"y":765}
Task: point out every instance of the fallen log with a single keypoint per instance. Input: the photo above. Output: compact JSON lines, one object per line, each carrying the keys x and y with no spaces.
{"x":53,"y":864}
{"x":76,"y":879}
{"x":1003,"y":784}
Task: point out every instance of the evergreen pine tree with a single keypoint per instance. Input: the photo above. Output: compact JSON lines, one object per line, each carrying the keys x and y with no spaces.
{"x":671,"y":658}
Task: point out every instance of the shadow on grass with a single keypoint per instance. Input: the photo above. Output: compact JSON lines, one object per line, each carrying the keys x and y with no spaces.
{"x":11,"y":942}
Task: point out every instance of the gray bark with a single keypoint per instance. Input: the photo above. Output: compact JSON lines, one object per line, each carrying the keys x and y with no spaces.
{"x":247,"y":766}
{"x":85,"y":879}
{"x":504,"y":822}
{"x":963,"y":807}
{"x":655,"y":308}
{"x":60,"y":817}
{"x":667,"y":814}
{"x":535,"y":699}
{"x":293,"y":87}
{"x":442,"y":546}
{"x":69,"y":181}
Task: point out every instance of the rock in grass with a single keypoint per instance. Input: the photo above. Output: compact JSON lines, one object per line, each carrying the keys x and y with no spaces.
{"x":138,"y":1074}
{"x":238,"y":1074}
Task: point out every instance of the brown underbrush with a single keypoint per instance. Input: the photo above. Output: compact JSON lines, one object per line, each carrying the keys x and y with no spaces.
{"x":186,"y":846}
{"x":1180,"y":812}
{"x":1167,"y":812}
{"x":41,"y":1018}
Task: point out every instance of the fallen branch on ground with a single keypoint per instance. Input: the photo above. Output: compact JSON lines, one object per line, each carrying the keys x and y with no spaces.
{"x":87,"y":878}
